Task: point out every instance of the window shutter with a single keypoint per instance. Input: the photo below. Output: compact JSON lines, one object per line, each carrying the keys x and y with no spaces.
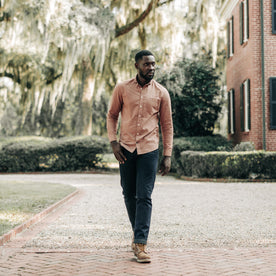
{"x":229,"y":112}
{"x":249,"y":105}
{"x":228,"y":39}
{"x":233,"y":34}
{"x":241,"y":23}
{"x":273,"y":103}
{"x":247,"y":21}
{"x":242,"y":107}
{"x":274,"y":16}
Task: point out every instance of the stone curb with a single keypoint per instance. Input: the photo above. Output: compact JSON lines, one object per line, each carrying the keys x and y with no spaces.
{"x":36,"y":218}
{"x":227,"y":180}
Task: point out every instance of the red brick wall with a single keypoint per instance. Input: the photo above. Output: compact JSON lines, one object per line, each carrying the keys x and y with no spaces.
{"x":246,"y":64}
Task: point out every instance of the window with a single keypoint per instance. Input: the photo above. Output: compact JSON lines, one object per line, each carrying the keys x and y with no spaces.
{"x":245,"y":106}
{"x":231,"y":111}
{"x":244,"y":21}
{"x":274,"y":16}
{"x":230,"y":37}
{"x":273,"y":103}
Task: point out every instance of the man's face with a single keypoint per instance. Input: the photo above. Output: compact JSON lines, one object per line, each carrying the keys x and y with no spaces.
{"x":146,"y":67}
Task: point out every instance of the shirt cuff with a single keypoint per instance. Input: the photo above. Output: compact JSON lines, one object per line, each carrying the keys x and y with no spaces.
{"x":167,"y":152}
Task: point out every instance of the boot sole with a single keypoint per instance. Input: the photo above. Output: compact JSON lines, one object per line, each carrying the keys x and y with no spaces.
{"x":142,"y":261}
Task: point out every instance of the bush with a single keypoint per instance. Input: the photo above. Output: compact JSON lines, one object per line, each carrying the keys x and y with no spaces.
{"x":197,"y":143}
{"x":243,"y":165}
{"x":66,"y":154}
{"x":195,"y":96}
{"x":244,"y":146}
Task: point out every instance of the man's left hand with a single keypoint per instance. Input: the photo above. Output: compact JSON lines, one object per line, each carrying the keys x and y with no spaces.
{"x":165,"y":165}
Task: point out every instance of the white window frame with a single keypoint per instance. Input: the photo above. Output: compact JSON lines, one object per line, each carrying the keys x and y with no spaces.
{"x":246,"y":106}
{"x":272,"y":89}
{"x":245,"y":25}
{"x":273,"y":16}
{"x":231,"y":38}
{"x":232,"y":115}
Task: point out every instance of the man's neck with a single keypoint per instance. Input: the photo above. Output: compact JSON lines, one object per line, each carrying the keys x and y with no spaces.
{"x":141,"y":81}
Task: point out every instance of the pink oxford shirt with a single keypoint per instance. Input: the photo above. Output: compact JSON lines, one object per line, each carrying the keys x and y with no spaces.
{"x":141,"y":108}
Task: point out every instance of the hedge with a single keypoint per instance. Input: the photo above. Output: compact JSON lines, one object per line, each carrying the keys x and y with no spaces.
{"x":65,"y":154}
{"x":197,"y":143}
{"x":240,"y":165}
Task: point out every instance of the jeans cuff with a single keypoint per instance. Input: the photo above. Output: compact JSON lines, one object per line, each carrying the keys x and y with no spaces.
{"x":142,"y":241}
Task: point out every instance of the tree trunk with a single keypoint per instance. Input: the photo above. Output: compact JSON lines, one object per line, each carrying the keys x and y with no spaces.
{"x":87,"y":97}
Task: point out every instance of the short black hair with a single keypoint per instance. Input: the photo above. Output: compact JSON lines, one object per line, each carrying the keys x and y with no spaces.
{"x":142,"y":53}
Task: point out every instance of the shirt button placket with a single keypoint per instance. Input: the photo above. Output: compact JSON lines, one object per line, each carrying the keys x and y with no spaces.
{"x":139,"y":112}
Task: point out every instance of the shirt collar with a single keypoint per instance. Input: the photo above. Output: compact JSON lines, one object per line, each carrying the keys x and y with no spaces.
{"x":135,"y":80}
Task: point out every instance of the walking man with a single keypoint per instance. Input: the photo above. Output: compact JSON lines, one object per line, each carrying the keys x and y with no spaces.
{"x":142,"y":102}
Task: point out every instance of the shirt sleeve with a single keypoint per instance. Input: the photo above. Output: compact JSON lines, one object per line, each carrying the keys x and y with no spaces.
{"x":113,"y":113}
{"x":166,"y":124}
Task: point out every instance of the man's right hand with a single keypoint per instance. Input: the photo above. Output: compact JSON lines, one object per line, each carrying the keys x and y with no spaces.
{"x":117,"y":150}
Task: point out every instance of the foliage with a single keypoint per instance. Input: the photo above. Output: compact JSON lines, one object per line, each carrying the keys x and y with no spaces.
{"x":34,"y":140}
{"x":195,"y":96}
{"x":244,"y":146}
{"x":240,"y":165}
{"x":199,"y":143}
{"x":52,"y":51}
{"x":100,"y":109}
{"x":66,"y":154}
{"x":59,"y":56}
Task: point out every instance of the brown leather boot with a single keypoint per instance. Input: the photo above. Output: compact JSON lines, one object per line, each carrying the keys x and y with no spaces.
{"x":133,"y":244}
{"x":141,"y":254}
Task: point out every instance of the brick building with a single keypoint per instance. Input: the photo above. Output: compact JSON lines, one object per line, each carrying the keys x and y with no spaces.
{"x":251,"y":71}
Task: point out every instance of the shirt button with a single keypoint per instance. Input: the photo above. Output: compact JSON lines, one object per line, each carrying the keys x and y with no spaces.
{"x":137,"y":133}
{"x":140,"y":106}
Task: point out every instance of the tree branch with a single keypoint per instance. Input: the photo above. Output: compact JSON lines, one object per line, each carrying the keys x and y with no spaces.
{"x":15,"y":79}
{"x":128,"y":27}
{"x":28,"y":84}
{"x":5,"y":16}
{"x":164,"y":2}
{"x":8,"y":75}
{"x":53,"y":79}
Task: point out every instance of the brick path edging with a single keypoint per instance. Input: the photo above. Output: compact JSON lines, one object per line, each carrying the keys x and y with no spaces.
{"x":36,"y":218}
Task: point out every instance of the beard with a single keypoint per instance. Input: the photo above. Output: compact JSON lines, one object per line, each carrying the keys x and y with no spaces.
{"x":147,"y":77}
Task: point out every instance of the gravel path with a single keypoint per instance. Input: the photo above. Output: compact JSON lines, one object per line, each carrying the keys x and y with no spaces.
{"x":185,"y":214}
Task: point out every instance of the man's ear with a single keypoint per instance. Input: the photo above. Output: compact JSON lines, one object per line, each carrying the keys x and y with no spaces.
{"x":136,"y":65}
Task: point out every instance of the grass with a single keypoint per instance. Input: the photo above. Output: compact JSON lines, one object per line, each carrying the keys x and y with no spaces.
{"x":20,"y":200}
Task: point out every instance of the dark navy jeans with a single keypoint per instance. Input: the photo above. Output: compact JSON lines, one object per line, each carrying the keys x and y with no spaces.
{"x":137,"y":180}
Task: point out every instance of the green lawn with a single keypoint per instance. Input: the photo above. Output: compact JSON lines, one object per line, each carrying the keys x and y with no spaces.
{"x":20,"y":200}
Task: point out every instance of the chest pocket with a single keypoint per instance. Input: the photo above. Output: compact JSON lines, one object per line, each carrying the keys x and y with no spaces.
{"x":151,"y":105}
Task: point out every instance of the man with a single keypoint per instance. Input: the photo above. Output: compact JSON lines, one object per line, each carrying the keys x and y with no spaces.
{"x":142,"y":102}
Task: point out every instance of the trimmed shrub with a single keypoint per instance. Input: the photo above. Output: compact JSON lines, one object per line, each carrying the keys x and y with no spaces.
{"x":243,"y":165}
{"x":244,"y":146}
{"x":197,"y":143}
{"x":65,"y":154}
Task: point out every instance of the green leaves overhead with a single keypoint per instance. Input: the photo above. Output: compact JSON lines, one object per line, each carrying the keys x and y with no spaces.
{"x":60,"y":59}
{"x":195,"y":95}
